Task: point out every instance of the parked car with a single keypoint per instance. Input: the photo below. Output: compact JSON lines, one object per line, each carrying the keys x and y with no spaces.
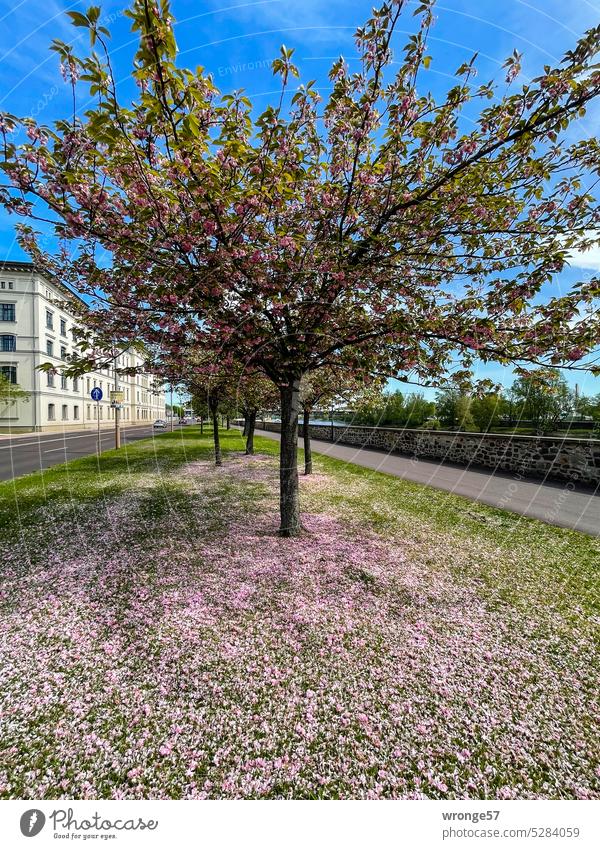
{"x":159,"y":424}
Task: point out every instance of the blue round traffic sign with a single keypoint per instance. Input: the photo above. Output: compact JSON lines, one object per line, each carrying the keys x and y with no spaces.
{"x":96,"y":394}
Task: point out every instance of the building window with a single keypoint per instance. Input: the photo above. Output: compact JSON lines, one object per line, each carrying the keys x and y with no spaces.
{"x":9,"y":373}
{"x":75,"y":384}
{"x":51,"y":414}
{"x":63,"y":382}
{"x":65,"y":412}
{"x":127,"y":394}
{"x":63,"y":352}
{"x":63,"y":327}
{"x":87,"y":384}
{"x":101,"y":412}
{"x":50,"y":377}
{"x":49,"y":320}
{"x":89,"y":411}
{"x":76,"y":412}
{"x":11,"y":285}
{"x":7,"y":312}
{"x":49,"y":348}
{"x":8,"y":343}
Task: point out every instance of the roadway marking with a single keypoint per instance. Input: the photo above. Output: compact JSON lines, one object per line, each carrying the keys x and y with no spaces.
{"x":42,"y":442}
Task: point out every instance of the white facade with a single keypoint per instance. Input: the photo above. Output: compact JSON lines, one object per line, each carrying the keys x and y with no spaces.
{"x":36,"y":327}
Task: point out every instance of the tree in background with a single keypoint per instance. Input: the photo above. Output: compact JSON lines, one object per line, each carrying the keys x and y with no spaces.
{"x":328,"y":386}
{"x":587,"y":407}
{"x":446,"y":402}
{"x":464,"y":418}
{"x":175,"y":410}
{"x":393,"y":409}
{"x":542,"y":397}
{"x":418,"y":410}
{"x":255,"y":393}
{"x":290,"y":236}
{"x":201,"y":411}
{"x":487,"y":411}
{"x":11,"y":393}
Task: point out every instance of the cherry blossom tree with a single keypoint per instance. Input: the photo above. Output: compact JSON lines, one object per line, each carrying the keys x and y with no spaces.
{"x":331,"y":385}
{"x":377,"y":221}
{"x":255,"y":392}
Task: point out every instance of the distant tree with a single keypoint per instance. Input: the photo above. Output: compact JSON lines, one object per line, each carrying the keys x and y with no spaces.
{"x":394,"y":410}
{"x":587,"y":407}
{"x":432,"y":423}
{"x":446,"y":401}
{"x":487,"y":410}
{"x":176,"y":410}
{"x":542,"y":397}
{"x":200,"y":408}
{"x":464,"y":417}
{"x":255,"y":393}
{"x":416,"y":410}
{"x":330,"y":385}
{"x":376,"y":410}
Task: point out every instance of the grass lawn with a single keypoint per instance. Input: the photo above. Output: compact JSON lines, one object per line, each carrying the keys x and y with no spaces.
{"x":158,"y":640}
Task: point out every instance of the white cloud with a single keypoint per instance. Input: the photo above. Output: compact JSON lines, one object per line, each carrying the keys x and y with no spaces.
{"x":589,"y":259}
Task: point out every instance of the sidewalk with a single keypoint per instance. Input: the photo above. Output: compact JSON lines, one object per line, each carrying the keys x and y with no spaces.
{"x":553,"y":502}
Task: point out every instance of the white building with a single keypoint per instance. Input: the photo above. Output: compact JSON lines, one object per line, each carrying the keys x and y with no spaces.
{"x":36,"y":327}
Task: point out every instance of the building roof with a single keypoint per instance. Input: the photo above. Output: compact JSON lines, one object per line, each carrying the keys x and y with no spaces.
{"x":15,"y":265}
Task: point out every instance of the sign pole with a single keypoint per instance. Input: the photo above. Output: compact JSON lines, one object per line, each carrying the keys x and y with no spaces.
{"x":96,"y":394}
{"x":117,"y":431}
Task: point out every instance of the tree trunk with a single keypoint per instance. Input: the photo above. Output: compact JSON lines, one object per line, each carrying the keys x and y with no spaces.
{"x":288,"y":460}
{"x":201,"y":425}
{"x":307,"y":448}
{"x":250,"y":434}
{"x":246,"y":422}
{"x":215,"y":419}
{"x":227,"y":420}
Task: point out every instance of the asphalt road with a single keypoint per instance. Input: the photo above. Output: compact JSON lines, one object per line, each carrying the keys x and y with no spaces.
{"x":27,"y":453}
{"x":553,"y":502}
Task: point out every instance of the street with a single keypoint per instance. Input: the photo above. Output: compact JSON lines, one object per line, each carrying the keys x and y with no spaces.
{"x":33,"y":452}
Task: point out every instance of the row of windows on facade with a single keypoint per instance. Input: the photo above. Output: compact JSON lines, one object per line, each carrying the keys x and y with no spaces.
{"x":7,"y":285}
{"x":64,"y":384}
{"x":91,"y":413}
{"x":7,"y":313}
{"x":10,"y":374}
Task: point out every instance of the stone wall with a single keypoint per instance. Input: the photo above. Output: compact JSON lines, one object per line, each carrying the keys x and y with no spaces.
{"x":576,"y":460}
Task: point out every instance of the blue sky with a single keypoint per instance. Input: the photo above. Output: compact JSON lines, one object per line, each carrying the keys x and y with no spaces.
{"x":237,"y":40}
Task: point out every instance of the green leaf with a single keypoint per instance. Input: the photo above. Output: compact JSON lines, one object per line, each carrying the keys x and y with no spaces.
{"x":78,"y":20}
